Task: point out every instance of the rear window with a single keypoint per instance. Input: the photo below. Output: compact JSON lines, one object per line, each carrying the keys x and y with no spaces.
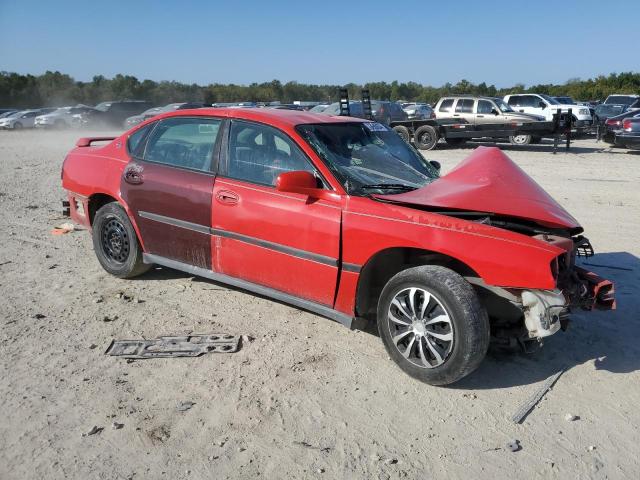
{"x":620,"y":99}
{"x":465,"y":105}
{"x":446,"y":105}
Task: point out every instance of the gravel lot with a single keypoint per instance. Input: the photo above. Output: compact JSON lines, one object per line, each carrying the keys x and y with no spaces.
{"x":307,"y":398}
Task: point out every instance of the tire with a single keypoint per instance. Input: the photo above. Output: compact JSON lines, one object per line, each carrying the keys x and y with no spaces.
{"x":451,"y":297}
{"x":116,"y":244}
{"x":60,"y":124}
{"x":403,"y":132}
{"x":520,"y":139}
{"x":425,"y":137}
{"x":455,"y":142}
{"x":17,"y":126}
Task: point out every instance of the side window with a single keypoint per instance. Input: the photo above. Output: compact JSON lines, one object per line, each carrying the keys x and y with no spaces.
{"x":484,"y":106}
{"x":465,"y":105}
{"x":446,"y":105}
{"x":514,"y":100}
{"x":530,"y":101}
{"x":183,"y":142}
{"x":258,"y":154}
{"x":134,"y":142}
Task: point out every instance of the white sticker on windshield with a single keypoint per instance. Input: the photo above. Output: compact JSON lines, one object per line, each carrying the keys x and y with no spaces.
{"x":376,"y":127}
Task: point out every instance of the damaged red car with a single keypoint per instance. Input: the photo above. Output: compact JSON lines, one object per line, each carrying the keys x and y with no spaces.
{"x":340,"y":217}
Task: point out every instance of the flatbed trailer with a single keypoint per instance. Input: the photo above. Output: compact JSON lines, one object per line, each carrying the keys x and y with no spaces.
{"x":425,"y":133}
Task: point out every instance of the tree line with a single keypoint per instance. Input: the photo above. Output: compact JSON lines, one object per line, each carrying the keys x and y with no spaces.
{"x":53,"y":89}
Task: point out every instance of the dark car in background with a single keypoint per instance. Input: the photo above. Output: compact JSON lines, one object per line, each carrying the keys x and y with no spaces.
{"x":387,"y":112}
{"x":613,"y":125}
{"x":110,"y":114}
{"x":621,"y":99}
{"x":629,"y":137}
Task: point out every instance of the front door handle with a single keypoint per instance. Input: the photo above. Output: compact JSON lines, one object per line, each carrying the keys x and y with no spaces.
{"x":227,"y":197}
{"x":133,"y":174}
{"x":480,"y":116}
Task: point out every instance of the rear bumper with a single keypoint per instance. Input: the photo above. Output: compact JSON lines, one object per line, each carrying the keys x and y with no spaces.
{"x":628,"y":140}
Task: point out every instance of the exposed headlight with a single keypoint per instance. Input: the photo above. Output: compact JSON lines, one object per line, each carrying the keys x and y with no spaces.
{"x":583,"y":111}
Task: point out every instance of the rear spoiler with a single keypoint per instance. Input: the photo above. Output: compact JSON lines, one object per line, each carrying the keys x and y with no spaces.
{"x":87,"y":141}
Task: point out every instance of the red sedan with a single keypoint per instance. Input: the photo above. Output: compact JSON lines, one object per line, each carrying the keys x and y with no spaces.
{"x":340,"y":217}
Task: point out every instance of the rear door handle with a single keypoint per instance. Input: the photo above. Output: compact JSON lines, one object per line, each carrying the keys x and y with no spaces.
{"x":480,"y":116}
{"x":227,"y":197}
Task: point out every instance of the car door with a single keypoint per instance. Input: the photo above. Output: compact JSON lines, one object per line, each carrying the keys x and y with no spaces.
{"x":487,"y":115}
{"x":168,"y":186}
{"x":464,"y":110}
{"x":284,"y":241}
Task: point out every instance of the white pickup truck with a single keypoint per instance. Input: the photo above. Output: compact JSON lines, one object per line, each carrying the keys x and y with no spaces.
{"x":540,"y":104}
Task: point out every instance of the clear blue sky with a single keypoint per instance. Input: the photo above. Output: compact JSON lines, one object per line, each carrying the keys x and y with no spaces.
{"x":326,"y":41}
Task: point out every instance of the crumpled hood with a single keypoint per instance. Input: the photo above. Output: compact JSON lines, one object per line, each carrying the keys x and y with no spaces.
{"x":489,"y":181}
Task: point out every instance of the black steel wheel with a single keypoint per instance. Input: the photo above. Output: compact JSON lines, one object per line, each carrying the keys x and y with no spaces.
{"x":425,"y":137}
{"x":116,"y":244}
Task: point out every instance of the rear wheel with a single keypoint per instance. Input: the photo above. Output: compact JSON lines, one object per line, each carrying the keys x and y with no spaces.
{"x":425,"y":137}
{"x":403,"y":132}
{"x":116,"y":244}
{"x":17,"y":126}
{"x":520,"y":139}
{"x":432,"y":324}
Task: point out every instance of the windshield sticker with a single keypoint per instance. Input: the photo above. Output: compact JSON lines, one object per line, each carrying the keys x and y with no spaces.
{"x":376,"y":127}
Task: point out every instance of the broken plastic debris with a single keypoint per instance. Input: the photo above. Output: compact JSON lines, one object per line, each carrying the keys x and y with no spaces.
{"x":174,"y":346}
{"x":514,"y":445}
{"x":62,"y":229}
{"x":184,"y":406}
{"x":93,"y":431}
{"x":524,"y":410}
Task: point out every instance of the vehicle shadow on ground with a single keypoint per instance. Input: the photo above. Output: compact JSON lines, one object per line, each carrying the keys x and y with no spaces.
{"x":608,"y":340}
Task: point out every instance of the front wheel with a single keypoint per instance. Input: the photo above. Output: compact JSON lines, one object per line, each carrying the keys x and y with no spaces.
{"x":432,"y":324}
{"x":116,"y":244}
{"x":403,"y":132}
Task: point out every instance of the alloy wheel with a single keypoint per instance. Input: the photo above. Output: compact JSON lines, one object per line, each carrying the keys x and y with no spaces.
{"x":420,"y":327}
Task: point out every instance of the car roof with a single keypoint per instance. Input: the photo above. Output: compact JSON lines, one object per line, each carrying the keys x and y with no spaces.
{"x":272,"y":116}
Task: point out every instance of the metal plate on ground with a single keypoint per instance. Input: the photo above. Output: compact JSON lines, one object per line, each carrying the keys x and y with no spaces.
{"x":174,"y":346}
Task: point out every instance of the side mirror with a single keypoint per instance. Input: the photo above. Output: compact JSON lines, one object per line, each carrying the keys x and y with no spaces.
{"x":303,"y":183}
{"x":435,"y":165}
{"x":542,"y":105}
{"x":494,"y":111}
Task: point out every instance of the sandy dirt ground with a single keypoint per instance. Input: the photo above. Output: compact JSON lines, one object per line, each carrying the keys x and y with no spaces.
{"x":307,"y":398}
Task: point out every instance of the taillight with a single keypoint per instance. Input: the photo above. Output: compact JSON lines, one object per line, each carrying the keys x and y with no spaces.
{"x":613,"y":123}
{"x":626,"y":125}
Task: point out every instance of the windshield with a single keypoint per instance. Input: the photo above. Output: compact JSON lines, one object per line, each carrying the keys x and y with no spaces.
{"x":103,"y":107}
{"x":14,"y":114}
{"x":549,"y":99}
{"x":368,"y":157}
{"x":502,"y":105}
{"x":565,"y":100}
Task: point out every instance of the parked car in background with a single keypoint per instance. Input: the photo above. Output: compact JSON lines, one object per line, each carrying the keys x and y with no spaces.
{"x":110,"y":114}
{"x":613,"y":125}
{"x":7,"y":111}
{"x":418,"y":111}
{"x":61,"y":117}
{"x":629,"y":137}
{"x":319,"y":108}
{"x":546,"y":106}
{"x":340,"y":217}
{"x":387,"y":112}
{"x":566,"y":100}
{"x":23,"y":118}
{"x":288,"y":106}
{"x":621,"y":99}
{"x":485,"y":114}
{"x":355,"y":108}
{"x":152,"y":112}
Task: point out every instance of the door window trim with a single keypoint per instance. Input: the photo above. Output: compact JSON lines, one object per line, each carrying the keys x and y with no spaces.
{"x":223,"y":167}
{"x":139,"y":153}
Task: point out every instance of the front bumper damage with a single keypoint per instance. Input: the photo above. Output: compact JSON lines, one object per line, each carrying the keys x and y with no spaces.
{"x":547,"y":311}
